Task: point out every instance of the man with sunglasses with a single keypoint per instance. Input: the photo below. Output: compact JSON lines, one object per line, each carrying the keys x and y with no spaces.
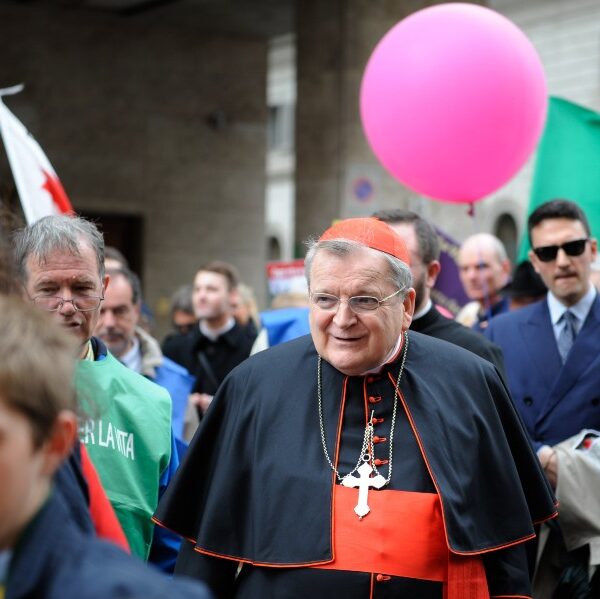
{"x":125,"y":419}
{"x":552,"y":347}
{"x":363,"y":460}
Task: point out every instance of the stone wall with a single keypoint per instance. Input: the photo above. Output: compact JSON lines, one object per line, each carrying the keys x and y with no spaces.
{"x":167,"y":121}
{"x":142,"y":118}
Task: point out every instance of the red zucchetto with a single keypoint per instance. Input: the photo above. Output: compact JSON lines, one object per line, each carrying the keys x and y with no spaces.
{"x":372,"y":232}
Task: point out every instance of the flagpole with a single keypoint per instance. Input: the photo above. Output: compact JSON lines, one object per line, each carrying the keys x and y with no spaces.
{"x":11,"y":91}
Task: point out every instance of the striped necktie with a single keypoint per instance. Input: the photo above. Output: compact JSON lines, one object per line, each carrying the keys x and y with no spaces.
{"x":567,"y":334}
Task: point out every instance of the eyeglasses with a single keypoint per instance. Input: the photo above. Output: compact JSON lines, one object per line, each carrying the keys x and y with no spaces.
{"x":81,"y":303}
{"x":358,"y":304}
{"x":548,"y":253}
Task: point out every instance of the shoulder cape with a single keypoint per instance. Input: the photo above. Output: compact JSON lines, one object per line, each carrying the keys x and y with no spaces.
{"x":255,"y":486}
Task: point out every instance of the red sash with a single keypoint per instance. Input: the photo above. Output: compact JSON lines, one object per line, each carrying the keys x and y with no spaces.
{"x":403,"y":535}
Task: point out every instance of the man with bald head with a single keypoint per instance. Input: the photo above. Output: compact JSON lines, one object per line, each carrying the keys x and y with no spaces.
{"x":484,"y":269}
{"x":422,"y":242}
{"x":363,"y":460}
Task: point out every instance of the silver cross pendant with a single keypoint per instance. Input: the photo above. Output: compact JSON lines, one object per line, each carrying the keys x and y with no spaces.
{"x":363,"y":483}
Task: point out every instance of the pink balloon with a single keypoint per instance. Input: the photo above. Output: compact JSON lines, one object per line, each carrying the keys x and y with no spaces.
{"x":453,"y":101}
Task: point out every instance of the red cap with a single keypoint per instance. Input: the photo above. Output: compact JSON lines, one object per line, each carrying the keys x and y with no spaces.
{"x":372,"y":232}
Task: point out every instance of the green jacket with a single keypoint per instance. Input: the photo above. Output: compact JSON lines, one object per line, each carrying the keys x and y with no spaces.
{"x":126,"y":429}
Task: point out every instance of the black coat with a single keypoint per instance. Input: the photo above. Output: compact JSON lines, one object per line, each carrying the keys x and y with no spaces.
{"x":223,"y":354}
{"x":255,"y":486}
{"x":434,"y":324}
{"x":55,"y":560}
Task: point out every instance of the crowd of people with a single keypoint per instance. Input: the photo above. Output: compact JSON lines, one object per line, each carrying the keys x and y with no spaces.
{"x":377,"y":448}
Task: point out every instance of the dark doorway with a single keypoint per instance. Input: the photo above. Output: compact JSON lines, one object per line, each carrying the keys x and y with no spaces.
{"x":506,"y":231}
{"x":125,"y":232}
{"x":274,"y":249}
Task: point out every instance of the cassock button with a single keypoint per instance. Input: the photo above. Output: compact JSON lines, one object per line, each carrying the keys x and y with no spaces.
{"x":528,"y":401}
{"x":377,"y":420}
{"x":382,"y":578}
{"x":377,"y":439}
{"x":379,"y":462}
{"x":374,"y":398}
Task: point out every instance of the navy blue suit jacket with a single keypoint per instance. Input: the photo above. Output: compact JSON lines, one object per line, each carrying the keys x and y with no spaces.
{"x":55,"y":560}
{"x":555,"y":401}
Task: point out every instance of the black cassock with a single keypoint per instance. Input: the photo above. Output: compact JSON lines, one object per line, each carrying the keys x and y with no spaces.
{"x":255,"y":486}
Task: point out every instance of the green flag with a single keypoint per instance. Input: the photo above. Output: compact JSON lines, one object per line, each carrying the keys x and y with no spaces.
{"x":568,"y":162}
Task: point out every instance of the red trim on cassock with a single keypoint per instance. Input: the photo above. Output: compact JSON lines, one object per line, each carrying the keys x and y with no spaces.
{"x":437,"y":487}
{"x":163,"y":525}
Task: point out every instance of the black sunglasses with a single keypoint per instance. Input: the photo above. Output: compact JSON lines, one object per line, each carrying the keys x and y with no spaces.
{"x":548,"y":253}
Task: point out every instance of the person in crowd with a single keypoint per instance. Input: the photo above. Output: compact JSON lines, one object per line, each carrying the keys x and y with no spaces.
{"x":552,"y":347}
{"x":133,"y":346}
{"x":364,"y":460}
{"x":114,"y":258}
{"x":484,"y":269}
{"x":181,"y":311}
{"x":245,"y":309}
{"x":43,"y":552}
{"x":60,"y":263}
{"x":76,"y":478}
{"x":218,"y":343}
{"x":525,"y":286}
{"x":286,"y":320}
{"x":424,"y":249}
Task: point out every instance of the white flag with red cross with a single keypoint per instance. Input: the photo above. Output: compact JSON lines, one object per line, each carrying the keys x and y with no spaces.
{"x":38,"y":185}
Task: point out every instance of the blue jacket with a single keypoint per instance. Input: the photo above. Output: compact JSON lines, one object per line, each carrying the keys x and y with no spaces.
{"x":178,"y":382}
{"x":55,"y":560}
{"x":285,"y":324}
{"x":555,"y":401}
{"x":498,"y":308}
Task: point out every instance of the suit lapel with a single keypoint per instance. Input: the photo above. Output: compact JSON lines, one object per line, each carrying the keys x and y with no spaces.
{"x":538,"y":342}
{"x":583,"y":352}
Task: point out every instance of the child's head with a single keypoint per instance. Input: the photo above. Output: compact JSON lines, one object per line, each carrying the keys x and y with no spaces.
{"x":37,"y":410}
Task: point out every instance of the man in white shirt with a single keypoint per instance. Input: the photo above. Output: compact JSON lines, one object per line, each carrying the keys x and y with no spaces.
{"x":218,"y":344}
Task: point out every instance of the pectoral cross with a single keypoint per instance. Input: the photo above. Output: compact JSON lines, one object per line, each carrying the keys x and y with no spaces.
{"x":363,"y":483}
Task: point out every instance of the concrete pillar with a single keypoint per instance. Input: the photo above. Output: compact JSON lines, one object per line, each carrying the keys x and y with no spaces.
{"x":337,"y":175}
